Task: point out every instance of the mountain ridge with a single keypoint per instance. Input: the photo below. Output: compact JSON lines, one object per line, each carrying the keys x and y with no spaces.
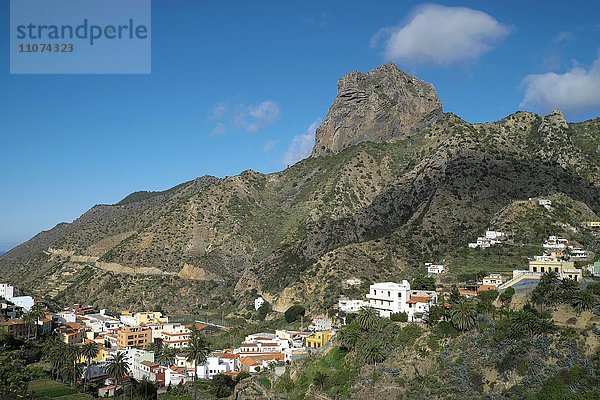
{"x":376,"y":210}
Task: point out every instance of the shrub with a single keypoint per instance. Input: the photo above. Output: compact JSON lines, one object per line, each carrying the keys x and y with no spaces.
{"x":423,"y":283}
{"x":399,"y":317}
{"x":445,"y":329}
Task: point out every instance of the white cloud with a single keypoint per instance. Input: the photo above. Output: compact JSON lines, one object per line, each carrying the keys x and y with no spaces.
{"x":269,"y":145}
{"x":577,"y":90}
{"x":255,"y":117}
{"x":301,"y":145}
{"x":441,"y":35}
{"x":219,"y":110}
{"x":219,"y":129}
{"x":563,"y":37}
{"x":248,"y":117}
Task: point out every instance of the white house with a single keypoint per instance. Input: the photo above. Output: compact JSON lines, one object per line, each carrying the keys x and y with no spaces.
{"x":579,"y":253}
{"x":418,"y":304}
{"x":320,"y":324}
{"x":351,"y":306}
{"x":173,"y":335}
{"x":556,"y":243}
{"x":259,"y":301}
{"x":492,"y":280}
{"x":7,"y":291}
{"x":217,"y":364}
{"x":135,"y":357}
{"x":391,"y":298}
{"x":175,"y":376}
{"x":128,"y":319}
{"x":494,"y":235}
{"x":434,"y":269}
{"x":545,"y":202}
{"x":353,"y":281}
{"x":388,"y":297}
{"x":262,"y":344}
{"x":100,"y":322}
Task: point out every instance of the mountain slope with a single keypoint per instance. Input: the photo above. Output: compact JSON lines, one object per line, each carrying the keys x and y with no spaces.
{"x":376,"y":210}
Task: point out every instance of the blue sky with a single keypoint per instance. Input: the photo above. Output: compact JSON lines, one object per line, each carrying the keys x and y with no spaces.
{"x":241,"y":85}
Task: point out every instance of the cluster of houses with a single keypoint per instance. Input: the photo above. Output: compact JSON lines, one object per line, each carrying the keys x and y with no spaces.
{"x":489,"y":239}
{"x":133,"y":333}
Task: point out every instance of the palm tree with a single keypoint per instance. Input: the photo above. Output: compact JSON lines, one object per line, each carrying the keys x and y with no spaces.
{"x":372,"y":352}
{"x":117,"y":367}
{"x":38,"y":313}
{"x":348,"y":337}
{"x":70,"y":367}
{"x":583,"y":301}
{"x":166,"y":356}
{"x":568,"y":287}
{"x":197,"y":352}
{"x":463,"y":315}
{"x":366,"y":318}
{"x":549,"y":278}
{"x":89,"y":350}
{"x":29,"y":319}
{"x":53,"y":352}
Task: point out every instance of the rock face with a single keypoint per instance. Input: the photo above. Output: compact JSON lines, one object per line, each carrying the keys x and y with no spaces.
{"x":381,"y":105}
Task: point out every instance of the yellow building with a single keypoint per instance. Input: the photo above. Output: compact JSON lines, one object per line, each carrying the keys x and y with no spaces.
{"x":318,"y":340}
{"x":100,"y":357}
{"x":593,"y":224}
{"x":146,"y":317}
{"x":133,"y":336}
{"x":564,"y":269}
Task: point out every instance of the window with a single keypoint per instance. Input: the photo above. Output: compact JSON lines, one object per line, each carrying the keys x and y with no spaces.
{"x":534,"y":269}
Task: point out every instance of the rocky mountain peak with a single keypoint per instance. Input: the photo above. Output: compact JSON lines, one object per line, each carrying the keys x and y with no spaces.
{"x":554,"y":120}
{"x":382,"y":105}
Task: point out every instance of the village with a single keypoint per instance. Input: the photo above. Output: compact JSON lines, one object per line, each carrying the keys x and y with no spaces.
{"x":157,"y":349}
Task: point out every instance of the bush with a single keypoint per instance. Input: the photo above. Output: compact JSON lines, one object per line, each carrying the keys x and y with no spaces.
{"x":263,"y":310}
{"x":445,"y":329}
{"x":506,"y":296}
{"x":423,"y":283}
{"x":294,"y":313}
{"x":399,"y":317}
{"x":488,"y":296}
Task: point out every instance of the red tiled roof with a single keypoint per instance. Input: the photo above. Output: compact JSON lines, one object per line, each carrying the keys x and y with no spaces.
{"x":418,"y":299}
{"x":249,"y":362}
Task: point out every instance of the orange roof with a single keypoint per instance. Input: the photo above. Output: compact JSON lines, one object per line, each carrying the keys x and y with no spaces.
{"x":418,"y":299}
{"x":231,"y":373}
{"x":228,"y":355}
{"x":249,"y":362}
{"x":149,"y":363}
{"x":248,"y":345}
{"x":465,"y":292}
{"x":180,"y":370}
{"x":483,"y":288}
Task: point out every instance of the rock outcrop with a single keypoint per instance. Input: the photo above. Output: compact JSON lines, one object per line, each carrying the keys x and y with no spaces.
{"x":381,"y":105}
